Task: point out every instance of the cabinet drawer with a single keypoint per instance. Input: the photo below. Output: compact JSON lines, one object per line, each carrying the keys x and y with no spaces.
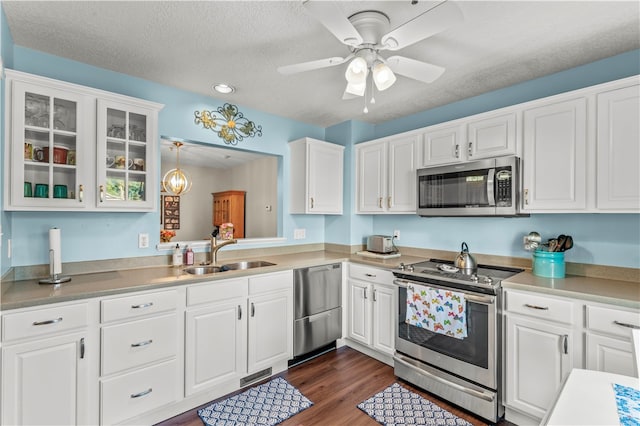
{"x":137,"y":343}
{"x":370,"y":274}
{"x":43,"y":321}
{"x":129,"y":395}
{"x":270,"y":282}
{"x":216,"y":291}
{"x":540,"y":306}
{"x":138,"y":305}
{"x":612,"y":320}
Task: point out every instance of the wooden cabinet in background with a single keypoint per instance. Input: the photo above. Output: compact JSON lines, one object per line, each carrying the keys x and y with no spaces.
{"x":228,"y":207}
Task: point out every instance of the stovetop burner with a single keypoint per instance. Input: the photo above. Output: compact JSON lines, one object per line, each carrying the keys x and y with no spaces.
{"x":487,"y":279}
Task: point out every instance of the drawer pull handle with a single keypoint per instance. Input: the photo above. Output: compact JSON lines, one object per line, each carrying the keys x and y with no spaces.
{"x":541,"y":308}
{"x":253,"y":310}
{"x":626,"y":324}
{"x":239,"y":312}
{"x":365,"y":293}
{"x":370,"y":275}
{"x":143,"y":393}
{"x":82,"y":348}
{"x":145,"y":343}
{"x":566,"y":344}
{"x":375,"y":299}
{"x":142,"y":305}
{"x":52,"y":321}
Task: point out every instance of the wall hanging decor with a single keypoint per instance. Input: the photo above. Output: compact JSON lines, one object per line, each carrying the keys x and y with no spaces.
{"x":231,"y":126}
{"x":171,"y":212}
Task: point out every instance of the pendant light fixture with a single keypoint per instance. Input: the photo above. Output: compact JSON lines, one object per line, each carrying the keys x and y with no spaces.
{"x":177,"y":181}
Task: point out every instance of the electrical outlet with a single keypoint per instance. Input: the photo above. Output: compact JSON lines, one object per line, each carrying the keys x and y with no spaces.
{"x":396,"y":234}
{"x":299,"y":234}
{"x":143,"y":240}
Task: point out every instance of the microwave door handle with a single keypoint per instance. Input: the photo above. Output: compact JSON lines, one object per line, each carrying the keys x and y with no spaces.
{"x":490,"y":187}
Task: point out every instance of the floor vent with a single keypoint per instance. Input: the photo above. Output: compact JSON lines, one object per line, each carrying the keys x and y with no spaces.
{"x":255,"y":376}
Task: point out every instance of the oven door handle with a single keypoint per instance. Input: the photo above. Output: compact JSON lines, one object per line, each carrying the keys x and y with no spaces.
{"x":476,"y":298}
{"x":478,"y":394}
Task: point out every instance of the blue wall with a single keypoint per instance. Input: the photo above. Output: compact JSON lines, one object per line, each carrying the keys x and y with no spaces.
{"x":600,"y":239}
{"x":6,"y":51}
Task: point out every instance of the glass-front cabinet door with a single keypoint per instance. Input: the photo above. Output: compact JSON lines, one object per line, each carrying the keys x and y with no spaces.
{"x":48,"y":156}
{"x":125,"y":156}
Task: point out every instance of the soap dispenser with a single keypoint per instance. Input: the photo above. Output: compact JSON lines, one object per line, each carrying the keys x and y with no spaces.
{"x":177,"y":256}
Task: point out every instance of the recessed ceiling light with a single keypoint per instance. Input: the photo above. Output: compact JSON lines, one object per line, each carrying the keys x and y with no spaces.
{"x":223,"y":88}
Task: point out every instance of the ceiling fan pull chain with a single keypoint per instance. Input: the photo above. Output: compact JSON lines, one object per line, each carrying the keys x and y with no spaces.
{"x":364,"y":97}
{"x":373,"y":100}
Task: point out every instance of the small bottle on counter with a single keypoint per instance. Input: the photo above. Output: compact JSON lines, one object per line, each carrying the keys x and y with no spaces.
{"x":188,"y":256}
{"x":177,"y":256}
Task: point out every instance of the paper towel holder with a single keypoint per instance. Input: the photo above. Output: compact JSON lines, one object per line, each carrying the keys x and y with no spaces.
{"x":55,"y":266}
{"x":53,"y":277}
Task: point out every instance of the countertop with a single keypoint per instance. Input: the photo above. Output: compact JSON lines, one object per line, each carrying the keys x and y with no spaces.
{"x":25,"y":293}
{"x":588,"y":398}
{"x":621,"y":293}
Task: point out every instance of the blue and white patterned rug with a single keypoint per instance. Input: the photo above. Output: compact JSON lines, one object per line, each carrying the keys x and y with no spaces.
{"x":267,"y":404}
{"x":399,"y":406}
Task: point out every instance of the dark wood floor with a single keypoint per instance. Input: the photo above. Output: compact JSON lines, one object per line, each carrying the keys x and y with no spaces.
{"x":337,"y":382}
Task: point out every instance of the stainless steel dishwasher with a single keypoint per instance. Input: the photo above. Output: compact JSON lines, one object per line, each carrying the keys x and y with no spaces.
{"x":318,"y":307}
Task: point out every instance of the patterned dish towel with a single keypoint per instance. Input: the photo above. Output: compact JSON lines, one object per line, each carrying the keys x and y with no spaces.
{"x":437,"y":310}
{"x":628,"y":402}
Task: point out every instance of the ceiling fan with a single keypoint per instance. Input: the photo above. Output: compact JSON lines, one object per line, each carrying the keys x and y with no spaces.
{"x":366,"y":33}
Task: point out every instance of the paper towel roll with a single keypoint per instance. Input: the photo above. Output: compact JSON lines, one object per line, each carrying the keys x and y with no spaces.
{"x":55,"y":253}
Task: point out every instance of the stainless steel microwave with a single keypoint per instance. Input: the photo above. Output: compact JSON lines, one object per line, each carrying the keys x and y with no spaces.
{"x":479,"y":188}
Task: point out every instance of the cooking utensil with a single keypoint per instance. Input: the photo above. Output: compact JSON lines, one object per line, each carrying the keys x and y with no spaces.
{"x":465,"y":262}
{"x":568,"y":243}
{"x":561,"y":240}
{"x":551,"y":244}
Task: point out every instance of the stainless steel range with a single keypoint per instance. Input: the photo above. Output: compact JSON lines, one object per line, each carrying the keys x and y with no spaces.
{"x":462,"y":366}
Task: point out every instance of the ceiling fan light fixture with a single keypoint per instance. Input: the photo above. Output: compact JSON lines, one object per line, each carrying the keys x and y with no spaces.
{"x":383,"y":76}
{"x":357,"y":71}
{"x":357,"y":89}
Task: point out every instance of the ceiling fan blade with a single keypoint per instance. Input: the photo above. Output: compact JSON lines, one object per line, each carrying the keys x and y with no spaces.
{"x":416,"y":70}
{"x":311,"y":65}
{"x":429,"y":23}
{"x":328,"y":15}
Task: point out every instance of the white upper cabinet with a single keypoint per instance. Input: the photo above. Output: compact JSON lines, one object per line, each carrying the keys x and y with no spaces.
{"x":316,"y":177}
{"x":618,"y":149}
{"x":442,"y":144}
{"x":386,"y":174}
{"x":73,"y":148}
{"x":126,"y":158}
{"x":492,"y":134}
{"x":554,"y":160}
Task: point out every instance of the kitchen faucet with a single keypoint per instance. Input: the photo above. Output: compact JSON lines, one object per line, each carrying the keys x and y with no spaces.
{"x":215,"y":246}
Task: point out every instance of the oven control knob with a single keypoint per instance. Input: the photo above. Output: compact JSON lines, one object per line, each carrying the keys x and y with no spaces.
{"x":410,"y":268}
{"x":401,"y":267}
{"x":488,"y":280}
{"x":474,"y":278}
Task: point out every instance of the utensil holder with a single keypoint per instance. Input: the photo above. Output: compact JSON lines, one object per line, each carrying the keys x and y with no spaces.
{"x":548,"y":264}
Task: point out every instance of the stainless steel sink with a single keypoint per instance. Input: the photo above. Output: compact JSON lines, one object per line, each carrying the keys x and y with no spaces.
{"x":203,"y":270}
{"x":245,"y":265}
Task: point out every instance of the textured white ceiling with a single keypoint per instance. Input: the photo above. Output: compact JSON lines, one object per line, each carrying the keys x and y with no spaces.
{"x":190,"y":45}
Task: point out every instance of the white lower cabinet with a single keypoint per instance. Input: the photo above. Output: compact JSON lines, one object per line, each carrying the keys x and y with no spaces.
{"x":537,"y":362}
{"x":546,"y":336}
{"x":140,"y":353}
{"x":371,"y":319}
{"x":46,"y":357}
{"x":608,"y":339}
{"x":237,"y":327}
